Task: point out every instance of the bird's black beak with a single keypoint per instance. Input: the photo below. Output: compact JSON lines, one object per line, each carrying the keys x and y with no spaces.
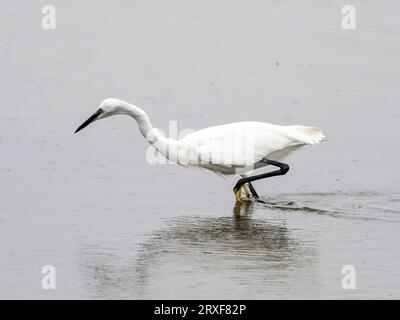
{"x":90,"y":120}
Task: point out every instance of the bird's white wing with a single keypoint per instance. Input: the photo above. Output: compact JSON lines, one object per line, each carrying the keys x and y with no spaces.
{"x":243,"y":144}
{"x":228,"y":145}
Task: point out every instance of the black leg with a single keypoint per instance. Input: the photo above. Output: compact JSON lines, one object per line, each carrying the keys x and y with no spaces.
{"x":283,"y":169}
{"x":253,"y":191}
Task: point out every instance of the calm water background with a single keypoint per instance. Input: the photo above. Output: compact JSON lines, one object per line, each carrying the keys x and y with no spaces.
{"x":116,"y":227}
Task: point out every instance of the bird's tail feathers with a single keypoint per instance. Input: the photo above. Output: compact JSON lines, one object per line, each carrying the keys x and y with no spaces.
{"x":309,"y":135}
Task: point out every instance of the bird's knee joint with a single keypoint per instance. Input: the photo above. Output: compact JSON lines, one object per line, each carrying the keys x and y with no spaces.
{"x":239,"y":184}
{"x":284,"y":168}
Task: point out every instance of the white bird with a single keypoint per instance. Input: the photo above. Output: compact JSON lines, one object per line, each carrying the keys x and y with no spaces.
{"x":234,"y":148}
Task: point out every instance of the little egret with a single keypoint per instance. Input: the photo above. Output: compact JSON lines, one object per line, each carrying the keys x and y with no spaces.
{"x":234,"y":148}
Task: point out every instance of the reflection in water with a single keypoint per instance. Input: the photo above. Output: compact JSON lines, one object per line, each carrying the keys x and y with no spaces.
{"x":203,"y":257}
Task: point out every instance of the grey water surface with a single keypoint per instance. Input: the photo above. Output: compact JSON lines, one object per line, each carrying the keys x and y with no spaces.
{"x":115,"y":226}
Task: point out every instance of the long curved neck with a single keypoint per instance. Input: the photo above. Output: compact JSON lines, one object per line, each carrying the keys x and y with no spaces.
{"x":166,"y":146}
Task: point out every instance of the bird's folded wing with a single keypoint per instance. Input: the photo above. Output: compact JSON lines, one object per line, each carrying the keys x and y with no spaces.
{"x":244,"y":144}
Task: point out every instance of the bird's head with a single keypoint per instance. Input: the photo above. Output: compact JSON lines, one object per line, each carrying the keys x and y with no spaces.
{"x":109,"y":107}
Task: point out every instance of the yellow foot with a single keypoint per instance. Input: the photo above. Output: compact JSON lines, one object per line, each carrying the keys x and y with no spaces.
{"x":238,"y":194}
{"x":246,"y":189}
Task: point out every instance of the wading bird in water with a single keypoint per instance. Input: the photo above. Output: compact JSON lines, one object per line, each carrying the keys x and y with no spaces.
{"x":229,"y":149}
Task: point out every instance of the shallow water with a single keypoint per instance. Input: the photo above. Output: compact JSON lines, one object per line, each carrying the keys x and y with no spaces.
{"x":115,"y":226}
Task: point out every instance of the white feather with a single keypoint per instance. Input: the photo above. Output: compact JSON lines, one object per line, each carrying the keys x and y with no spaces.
{"x":234,"y":148}
{"x":242,"y":145}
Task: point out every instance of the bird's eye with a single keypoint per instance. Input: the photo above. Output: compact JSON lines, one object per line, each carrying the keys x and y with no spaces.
{"x":101,"y":110}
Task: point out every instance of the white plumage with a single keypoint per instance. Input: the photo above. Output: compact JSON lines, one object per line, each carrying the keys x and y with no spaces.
{"x":234,"y":148}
